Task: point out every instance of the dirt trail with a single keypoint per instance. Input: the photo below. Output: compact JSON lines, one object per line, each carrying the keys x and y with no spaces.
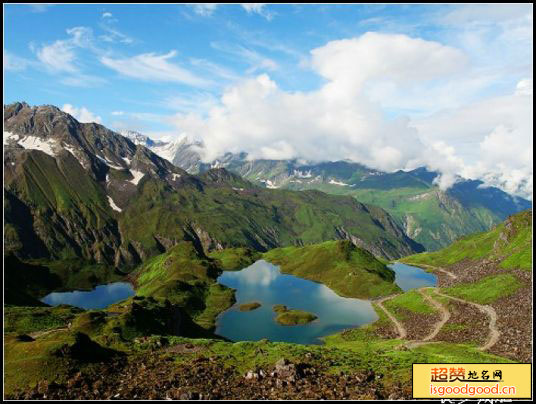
{"x":38,"y":334}
{"x":402,"y":332}
{"x":445,"y":314}
{"x":494,"y":333}
{"x":448,"y":273}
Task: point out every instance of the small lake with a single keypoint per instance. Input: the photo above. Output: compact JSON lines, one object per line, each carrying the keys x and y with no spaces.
{"x":264,"y":283}
{"x":408,"y":277}
{"x":99,"y":298}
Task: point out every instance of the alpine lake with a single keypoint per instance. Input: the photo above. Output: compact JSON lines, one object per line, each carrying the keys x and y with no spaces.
{"x":263,"y":282}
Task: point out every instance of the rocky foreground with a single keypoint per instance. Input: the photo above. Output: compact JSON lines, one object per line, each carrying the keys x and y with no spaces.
{"x":514,"y":312}
{"x":154,"y":377}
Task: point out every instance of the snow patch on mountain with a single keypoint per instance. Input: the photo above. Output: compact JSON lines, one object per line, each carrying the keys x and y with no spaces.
{"x":338,"y":183}
{"x":72,"y":150}
{"x":138,"y":175}
{"x":301,"y":174}
{"x":31,"y":143}
{"x":137,"y":138}
{"x":10,"y":137}
{"x":270,"y":184}
{"x":113,"y":205}
{"x":167,"y":151}
{"x":108,"y":162}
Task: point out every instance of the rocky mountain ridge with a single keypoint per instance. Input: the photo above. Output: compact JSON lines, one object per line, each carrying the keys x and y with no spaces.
{"x":82,"y":190}
{"x":431,"y":216}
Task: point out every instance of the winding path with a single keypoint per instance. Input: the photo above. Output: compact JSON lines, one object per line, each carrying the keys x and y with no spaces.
{"x":445,"y":314}
{"x":38,"y":334}
{"x":453,"y":276}
{"x":494,"y":332}
{"x":448,"y":273}
{"x":402,"y":332}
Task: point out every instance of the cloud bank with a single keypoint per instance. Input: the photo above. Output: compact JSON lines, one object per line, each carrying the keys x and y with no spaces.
{"x":344,"y":119}
{"x":81,"y":114}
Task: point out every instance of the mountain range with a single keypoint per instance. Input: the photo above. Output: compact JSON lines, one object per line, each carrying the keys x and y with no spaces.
{"x":80,"y":190}
{"x":429,"y":215}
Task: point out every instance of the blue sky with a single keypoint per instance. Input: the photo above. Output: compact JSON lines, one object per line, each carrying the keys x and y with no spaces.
{"x":175,"y":70}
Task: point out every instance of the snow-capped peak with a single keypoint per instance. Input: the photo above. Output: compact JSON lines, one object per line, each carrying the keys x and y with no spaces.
{"x":137,"y":138}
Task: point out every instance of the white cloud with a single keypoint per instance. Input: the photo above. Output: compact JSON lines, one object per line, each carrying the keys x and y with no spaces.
{"x":490,"y":139}
{"x":493,"y":34}
{"x":191,"y":102}
{"x":478,"y":14}
{"x":397,"y":59}
{"x":60,"y":56}
{"x":214,"y":69}
{"x":113,"y":34}
{"x":335,"y":122}
{"x":524,"y":87}
{"x":253,"y":7}
{"x":205,"y":9}
{"x":39,"y":8}
{"x":81,"y":114}
{"x":154,"y":67}
{"x":258,"y":8}
{"x":14,"y":63}
{"x":345,"y":119}
{"x":261,"y":119}
{"x":255,"y":60}
{"x":61,"y":59}
{"x":82,"y":80}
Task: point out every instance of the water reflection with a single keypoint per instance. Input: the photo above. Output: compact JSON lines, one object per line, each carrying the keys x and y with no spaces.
{"x":258,"y":274}
{"x":408,"y":277}
{"x":264,"y":283}
{"x":100,"y":297}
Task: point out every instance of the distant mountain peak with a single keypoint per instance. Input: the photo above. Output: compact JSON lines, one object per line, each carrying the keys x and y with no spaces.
{"x":138,"y":138}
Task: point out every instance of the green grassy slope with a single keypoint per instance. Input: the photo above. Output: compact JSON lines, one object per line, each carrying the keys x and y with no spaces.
{"x":487,"y":290}
{"x":428,"y":215}
{"x":219,"y":215}
{"x":55,"y":209}
{"x":510,"y":243}
{"x":432,"y":217}
{"x":348,"y":270}
{"x":231,"y":259}
{"x":58,"y":206}
{"x":187,"y":278}
{"x":28,"y":363}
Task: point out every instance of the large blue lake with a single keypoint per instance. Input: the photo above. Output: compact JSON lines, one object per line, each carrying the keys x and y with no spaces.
{"x":264,"y":283}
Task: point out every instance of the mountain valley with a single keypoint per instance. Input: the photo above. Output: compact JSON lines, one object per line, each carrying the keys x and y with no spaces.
{"x":86,"y":206}
{"x":429,"y":215}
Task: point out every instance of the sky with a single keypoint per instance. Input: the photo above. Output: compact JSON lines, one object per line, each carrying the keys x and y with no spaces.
{"x":394,"y":87}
